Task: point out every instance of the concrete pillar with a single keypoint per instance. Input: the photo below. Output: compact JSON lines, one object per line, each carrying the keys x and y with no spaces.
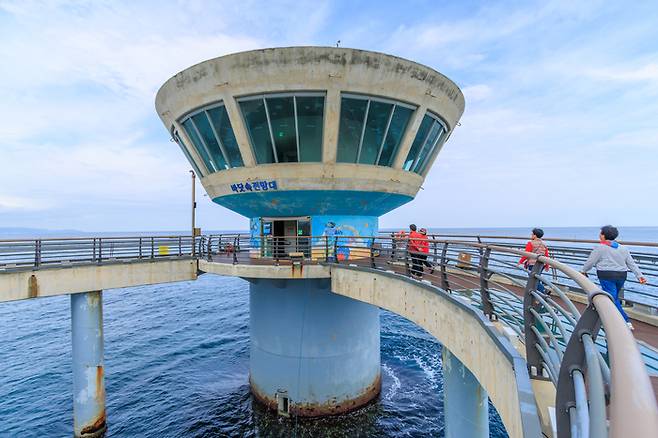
{"x":319,"y":348}
{"x":465,"y":404}
{"x":88,"y":374}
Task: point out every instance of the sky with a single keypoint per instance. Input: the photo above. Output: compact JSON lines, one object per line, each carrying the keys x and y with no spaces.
{"x":560,"y":126}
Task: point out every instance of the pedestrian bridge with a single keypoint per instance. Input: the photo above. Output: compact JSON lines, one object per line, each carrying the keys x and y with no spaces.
{"x":541,"y":357}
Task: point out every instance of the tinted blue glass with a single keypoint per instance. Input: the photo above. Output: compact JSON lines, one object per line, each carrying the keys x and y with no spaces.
{"x":255,"y":119}
{"x":219,"y":118}
{"x":396,"y":130}
{"x":373,"y":137}
{"x":310,"y":118}
{"x":282,"y":118}
{"x":208,"y":136}
{"x":419,"y":141}
{"x":352,"y":113}
{"x":186,"y":151}
{"x":435,"y":131}
{"x":198,"y":145}
{"x":437,"y":146}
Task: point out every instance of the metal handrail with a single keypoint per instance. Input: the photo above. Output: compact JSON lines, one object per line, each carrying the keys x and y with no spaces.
{"x":570,"y":355}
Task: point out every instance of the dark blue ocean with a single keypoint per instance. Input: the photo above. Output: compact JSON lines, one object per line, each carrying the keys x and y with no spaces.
{"x":177,"y":363}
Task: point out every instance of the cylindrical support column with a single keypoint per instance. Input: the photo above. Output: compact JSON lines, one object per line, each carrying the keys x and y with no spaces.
{"x":88,"y":374}
{"x":318,"y":348}
{"x":466,"y":403}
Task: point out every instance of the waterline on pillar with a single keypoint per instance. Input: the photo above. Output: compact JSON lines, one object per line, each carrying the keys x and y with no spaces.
{"x":323,"y":349}
{"x":89,"y":419}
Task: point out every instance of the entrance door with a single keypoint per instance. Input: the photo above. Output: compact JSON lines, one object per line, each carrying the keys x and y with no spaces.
{"x":283,"y":236}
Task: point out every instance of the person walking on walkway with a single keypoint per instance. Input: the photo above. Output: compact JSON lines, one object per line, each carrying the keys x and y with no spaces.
{"x":414,"y":249}
{"x":536,"y":246}
{"x":612,"y":262}
{"x":425,"y":250}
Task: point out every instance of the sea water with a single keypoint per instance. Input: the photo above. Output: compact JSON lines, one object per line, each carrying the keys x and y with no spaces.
{"x":177,"y":365}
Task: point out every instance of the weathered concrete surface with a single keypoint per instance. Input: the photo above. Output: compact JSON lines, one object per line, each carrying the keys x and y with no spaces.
{"x":328,"y":69}
{"x":318,"y":176}
{"x":66,"y":280}
{"x":467,"y":334}
{"x":265,"y":271}
{"x":322,"y":348}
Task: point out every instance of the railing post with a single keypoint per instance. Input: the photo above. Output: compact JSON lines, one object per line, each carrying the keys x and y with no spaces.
{"x":326,"y":248}
{"x":485,"y":296}
{"x":533,"y":358}
{"x":93,"y":251}
{"x":445,"y":285}
{"x":99,"y":260}
{"x":372,"y":253}
{"x":573,"y":360}
{"x":37,"y":253}
{"x":208,"y":249}
{"x":180,"y":246}
{"x":407,"y":260}
{"x":152,"y":247}
{"x":336,"y":249}
{"x":140,"y":247}
{"x":235,"y":250}
{"x":393,"y":246}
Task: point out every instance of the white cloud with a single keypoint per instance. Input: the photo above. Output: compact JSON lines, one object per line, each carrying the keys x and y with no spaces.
{"x":13,"y":203}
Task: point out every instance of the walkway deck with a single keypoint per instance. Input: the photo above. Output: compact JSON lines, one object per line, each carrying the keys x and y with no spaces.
{"x":462,"y":283}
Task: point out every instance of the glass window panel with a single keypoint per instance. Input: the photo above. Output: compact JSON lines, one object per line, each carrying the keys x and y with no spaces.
{"x":396,"y":130}
{"x":255,"y":119}
{"x":220,"y":121}
{"x":282,"y":117}
{"x":352,"y":113}
{"x":431,"y":139}
{"x":186,"y":151}
{"x":208,"y":136}
{"x":421,"y":135}
{"x":310,"y":118}
{"x":439,"y":144}
{"x":378,"y":115}
{"x":191,"y":133}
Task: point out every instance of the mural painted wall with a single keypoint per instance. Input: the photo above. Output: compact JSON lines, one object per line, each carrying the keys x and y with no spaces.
{"x":333,"y":236}
{"x":341,"y":236}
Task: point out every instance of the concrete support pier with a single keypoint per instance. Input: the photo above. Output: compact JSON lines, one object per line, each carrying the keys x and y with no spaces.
{"x":316,"y":349}
{"x":466,"y":406}
{"x":88,"y":373}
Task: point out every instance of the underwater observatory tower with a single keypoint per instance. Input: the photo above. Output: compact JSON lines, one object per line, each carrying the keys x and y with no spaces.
{"x":310,"y":141}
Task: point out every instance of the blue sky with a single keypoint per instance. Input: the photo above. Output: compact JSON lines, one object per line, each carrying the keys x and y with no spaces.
{"x":560,"y":127}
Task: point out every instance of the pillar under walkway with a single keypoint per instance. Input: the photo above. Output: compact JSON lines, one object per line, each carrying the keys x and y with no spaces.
{"x":466,"y":403}
{"x":88,"y":373}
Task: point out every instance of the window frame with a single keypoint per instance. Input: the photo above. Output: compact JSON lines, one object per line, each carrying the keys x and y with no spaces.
{"x":282,"y":94}
{"x":176,"y":138}
{"x":370,"y":98}
{"x":204,"y":109}
{"x":430,"y":152}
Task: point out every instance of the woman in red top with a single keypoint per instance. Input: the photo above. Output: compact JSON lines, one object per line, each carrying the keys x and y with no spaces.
{"x":536,"y":246}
